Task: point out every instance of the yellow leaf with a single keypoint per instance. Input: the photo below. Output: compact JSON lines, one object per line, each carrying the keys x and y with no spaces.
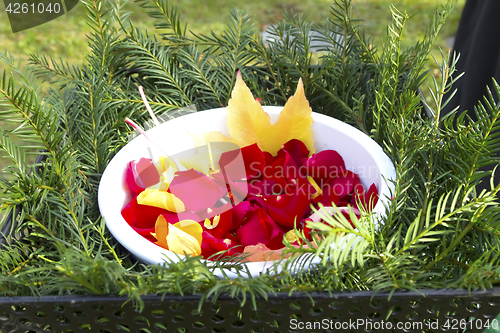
{"x":296,"y":119}
{"x":249,"y":124}
{"x":161,"y":199}
{"x":246,"y":120}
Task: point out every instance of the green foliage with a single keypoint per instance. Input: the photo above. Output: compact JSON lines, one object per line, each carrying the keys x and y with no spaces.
{"x":438,"y":232}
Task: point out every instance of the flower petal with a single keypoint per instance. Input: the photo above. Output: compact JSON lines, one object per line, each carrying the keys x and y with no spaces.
{"x":243,"y":164}
{"x":290,"y":206}
{"x":160,"y":199}
{"x":162,"y":228}
{"x":141,"y":216}
{"x":181,"y":242}
{"x":260,"y":228}
{"x":297,"y":150}
{"x":145,"y":172}
{"x":195,"y":190}
{"x":261,"y":252}
{"x":225,"y":224}
{"x":140,"y":174}
{"x":324,"y":165}
{"x":343,"y":184}
{"x":192,"y":228}
{"x":211,"y":245}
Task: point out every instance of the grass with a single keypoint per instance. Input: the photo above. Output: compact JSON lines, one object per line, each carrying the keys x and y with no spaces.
{"x":65,"y":37}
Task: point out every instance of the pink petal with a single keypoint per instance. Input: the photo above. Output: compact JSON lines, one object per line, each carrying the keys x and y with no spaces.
{"x":195,"y":190}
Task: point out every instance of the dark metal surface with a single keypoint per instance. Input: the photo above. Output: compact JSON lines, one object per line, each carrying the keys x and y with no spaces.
{"x":438,"y":310}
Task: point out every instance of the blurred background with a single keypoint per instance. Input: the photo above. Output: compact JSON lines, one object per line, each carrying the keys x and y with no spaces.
{"x":65,"y":37}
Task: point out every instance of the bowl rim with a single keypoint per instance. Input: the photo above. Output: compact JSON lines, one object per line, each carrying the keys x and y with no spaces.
{"x":127,"y":237}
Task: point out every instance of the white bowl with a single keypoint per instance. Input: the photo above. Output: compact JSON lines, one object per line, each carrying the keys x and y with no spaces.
{"x":361,"y":155}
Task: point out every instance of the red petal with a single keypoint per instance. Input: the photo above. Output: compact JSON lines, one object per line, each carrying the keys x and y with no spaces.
{"x":140,"y":174}
{"x":297,"y":150}
{"x":240,"y":211}
{"x":343,"y":184}
{"x":141,"y":216}
{"x":291,"y":205}
{"x":173,"y":218}
{"x":262,"y":187}
{"x":371,"y":198}
{"x":225,"y":224}
{"x":195,"y":190}
{"x":243,"y":164}
{"x":211,"y":245}
{"x":324,"y":165}
{"x":213,"y":211}
{"x":260,"y":228}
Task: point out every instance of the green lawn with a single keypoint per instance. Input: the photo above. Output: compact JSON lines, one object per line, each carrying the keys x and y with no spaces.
{"x":65,"y":37}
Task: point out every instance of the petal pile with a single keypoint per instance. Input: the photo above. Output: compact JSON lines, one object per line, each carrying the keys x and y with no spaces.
{"x":248,"y":198}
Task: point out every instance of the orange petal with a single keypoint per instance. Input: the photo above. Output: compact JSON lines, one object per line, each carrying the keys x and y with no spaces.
{"x":161,"y":231}
{"x":260,"y":252}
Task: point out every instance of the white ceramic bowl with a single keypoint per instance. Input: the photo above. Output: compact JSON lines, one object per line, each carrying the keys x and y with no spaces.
{"x":361,"y":155}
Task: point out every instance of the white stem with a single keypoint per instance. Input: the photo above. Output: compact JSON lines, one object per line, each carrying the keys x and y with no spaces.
{"x":140,"y":130}
{"x":155,"y":120}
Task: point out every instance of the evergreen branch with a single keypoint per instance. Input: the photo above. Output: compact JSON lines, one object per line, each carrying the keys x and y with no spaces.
{"x":48,"y":70}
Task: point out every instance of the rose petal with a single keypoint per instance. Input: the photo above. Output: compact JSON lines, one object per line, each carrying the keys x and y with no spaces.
{"x":145,"y":172}
{"x":343,"y":184}
{"x":243,"y":164}
{"x":260,"y":252}
{"x":225,"y":223}
{"x":370,"y":199}
{"x":161,"y":199}
{"x":181,"y":242}
{"x":297,"y":150}
{"x":192,"y":228}
{"x":214,"y":211}
{"x":161,"y":232}
{"x":141,"y":216}
{"x":290,"y":206}
{"x":211,"y":245}
{"x":324,"y":165}
{"x":260,"y":228}
{"x":195,"y":190}
{"x":262,"y":187}
{"x":140,"y":174}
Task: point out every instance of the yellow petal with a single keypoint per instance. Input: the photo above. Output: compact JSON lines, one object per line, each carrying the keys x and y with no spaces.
{"x":181,"y":242}
{"x":199,"y":162}
{"x":214,"y":136}
{"x":191,"y":227}
{"x":161,"y":231}
{"x":161,"y":199}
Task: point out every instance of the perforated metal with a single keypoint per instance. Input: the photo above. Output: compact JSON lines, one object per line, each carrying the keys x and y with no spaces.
{"x":280,"y":313}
